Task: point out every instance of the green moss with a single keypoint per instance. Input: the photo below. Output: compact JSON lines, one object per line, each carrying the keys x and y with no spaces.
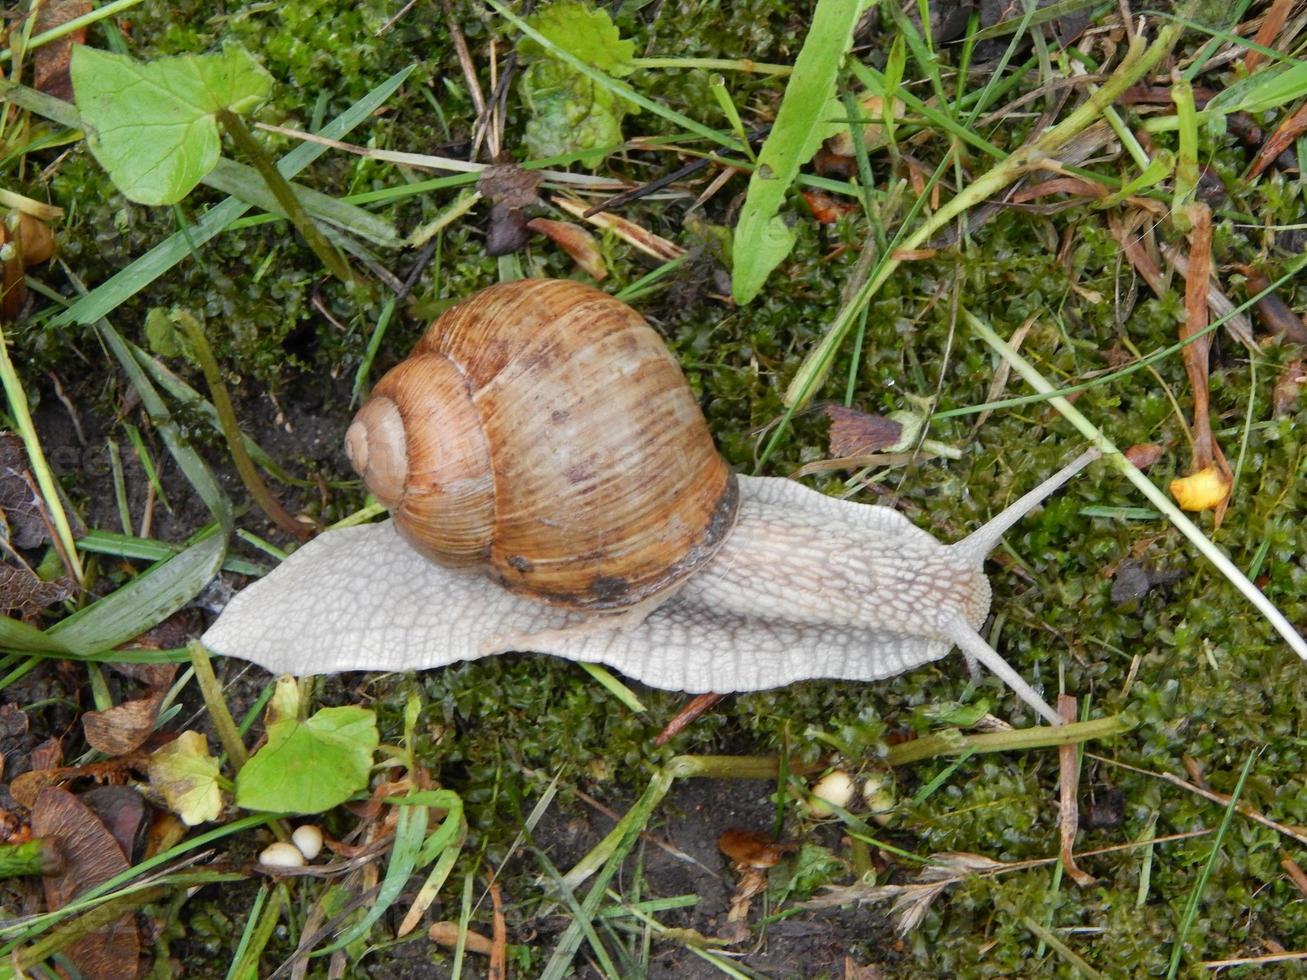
{"x":1211,"y":681}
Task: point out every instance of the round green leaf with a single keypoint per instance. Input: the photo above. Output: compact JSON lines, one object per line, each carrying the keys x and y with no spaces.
{"x":312,"y":765}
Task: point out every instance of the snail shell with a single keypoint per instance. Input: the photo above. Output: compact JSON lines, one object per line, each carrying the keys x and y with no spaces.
{"x":487,"y":447}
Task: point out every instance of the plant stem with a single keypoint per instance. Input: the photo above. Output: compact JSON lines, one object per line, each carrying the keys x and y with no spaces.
{"x":22,"y":417}
{"x":715,"y":64}
{"x":70,"y":932}
{"x":281,"y":190}
{"x":34,"y":857}
{"x":1137,"y":63}
{"x":1043,"y":736}
{"x":211,"y":691}
{"x":231,"y":431}
{"x":1155,"y":496}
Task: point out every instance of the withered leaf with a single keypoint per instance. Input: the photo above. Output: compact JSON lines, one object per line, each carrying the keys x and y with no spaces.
{"x":91,"y":854}
{"x":578,"y":243}
{"x":1288,"y":386}
{"x":446,"y":934}
{"x":1144,"y":454}
{"x":509,"y":185}
{"x":855,"y":433}
{"x":50,"y":61}
{"x":511,"y":191}
{"x":124,"y":727}
{"x":187,"y":776}
{"x":26,"y":788}
{"x":91,"y":857}
{"x":21,"y":590}
{"x":752,"y":849}
{"x":18,"y":500}
{"x":49,"y":754}
{"x":122,"y":811}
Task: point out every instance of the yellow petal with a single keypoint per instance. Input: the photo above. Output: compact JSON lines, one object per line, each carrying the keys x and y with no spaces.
{"x":1202,"y":490}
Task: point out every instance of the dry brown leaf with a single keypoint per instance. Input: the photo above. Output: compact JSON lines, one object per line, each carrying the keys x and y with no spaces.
{"x":752,"y":849}
{"x":1272,"y":311}
{"x":498,"y":967}
{"x":91,"y":857}
{"x":1076,"y":186}
{"x":124,"y":727}
{"x":1133,"y":233}
{"x":1285,"y":135}
{"x":49,"y":754}
{"x":50,"y":61}
{"x":22,"y":591}
{"x":446,"y":934}
{"x":1206,"y":452}
{"x":26,"y":788}
{"x":1144,"y":454}
{"x":19,"y":502}
{"x":580,"y":246}
{"x":856,"y":433}
{"x":827,"y":208}
{"x":122,"y":811}
{"x":1272,"y":23}
{"x":1295,"y":872}
{"x":631,"y":233}
{"x":1068,"y":806}
{"x":699,"y":704}
{"x":1288,"y":386}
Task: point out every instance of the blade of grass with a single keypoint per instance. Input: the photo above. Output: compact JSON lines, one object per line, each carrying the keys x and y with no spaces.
{"x":1139,"y":60}
{"x":605,"y":679}
{"x":192,"y":399}
{"x":805,"y":118}
{"x":22,"y":416}
{"x":1196,"y":893}
{"x":146,"y":600}
{"x":195,"y":469}
{"x":231,"y":430}
{"x":147,"y":549}
{"x":953,"y":742}
{"x":243,"y":182}
{"x":1155,"y":496}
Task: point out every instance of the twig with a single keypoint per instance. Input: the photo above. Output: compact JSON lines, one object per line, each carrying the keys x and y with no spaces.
{"x":1288,"y":830}
{"x":1155,"y":496}
{"x":231,"y":431}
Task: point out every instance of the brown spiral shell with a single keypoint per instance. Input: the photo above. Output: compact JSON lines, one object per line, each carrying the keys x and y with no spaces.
{"x":541,"y":429}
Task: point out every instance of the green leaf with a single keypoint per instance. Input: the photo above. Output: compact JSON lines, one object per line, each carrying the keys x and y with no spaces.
{"x":409,"y":853}
{"x":152,"y":125}
{"x":145,"y":601}
{"x":807,"y":116}
{"x":310,"y":766}
{"x":570,"y":111}
{"x":187,"y":776}
{"x":581,"y":30}
{"x":1270,"y":88}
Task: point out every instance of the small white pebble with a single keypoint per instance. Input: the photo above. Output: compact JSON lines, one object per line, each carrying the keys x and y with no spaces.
{"x":308,"y":838}
{"x":878,"y":795}
{"x":836,"y":787}
{"x":281,"y":854}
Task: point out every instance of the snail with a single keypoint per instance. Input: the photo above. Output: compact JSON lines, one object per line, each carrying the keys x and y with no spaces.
{"x":553,"y":488}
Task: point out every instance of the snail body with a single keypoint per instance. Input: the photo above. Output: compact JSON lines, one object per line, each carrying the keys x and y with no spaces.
{"x":764,"y":582}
